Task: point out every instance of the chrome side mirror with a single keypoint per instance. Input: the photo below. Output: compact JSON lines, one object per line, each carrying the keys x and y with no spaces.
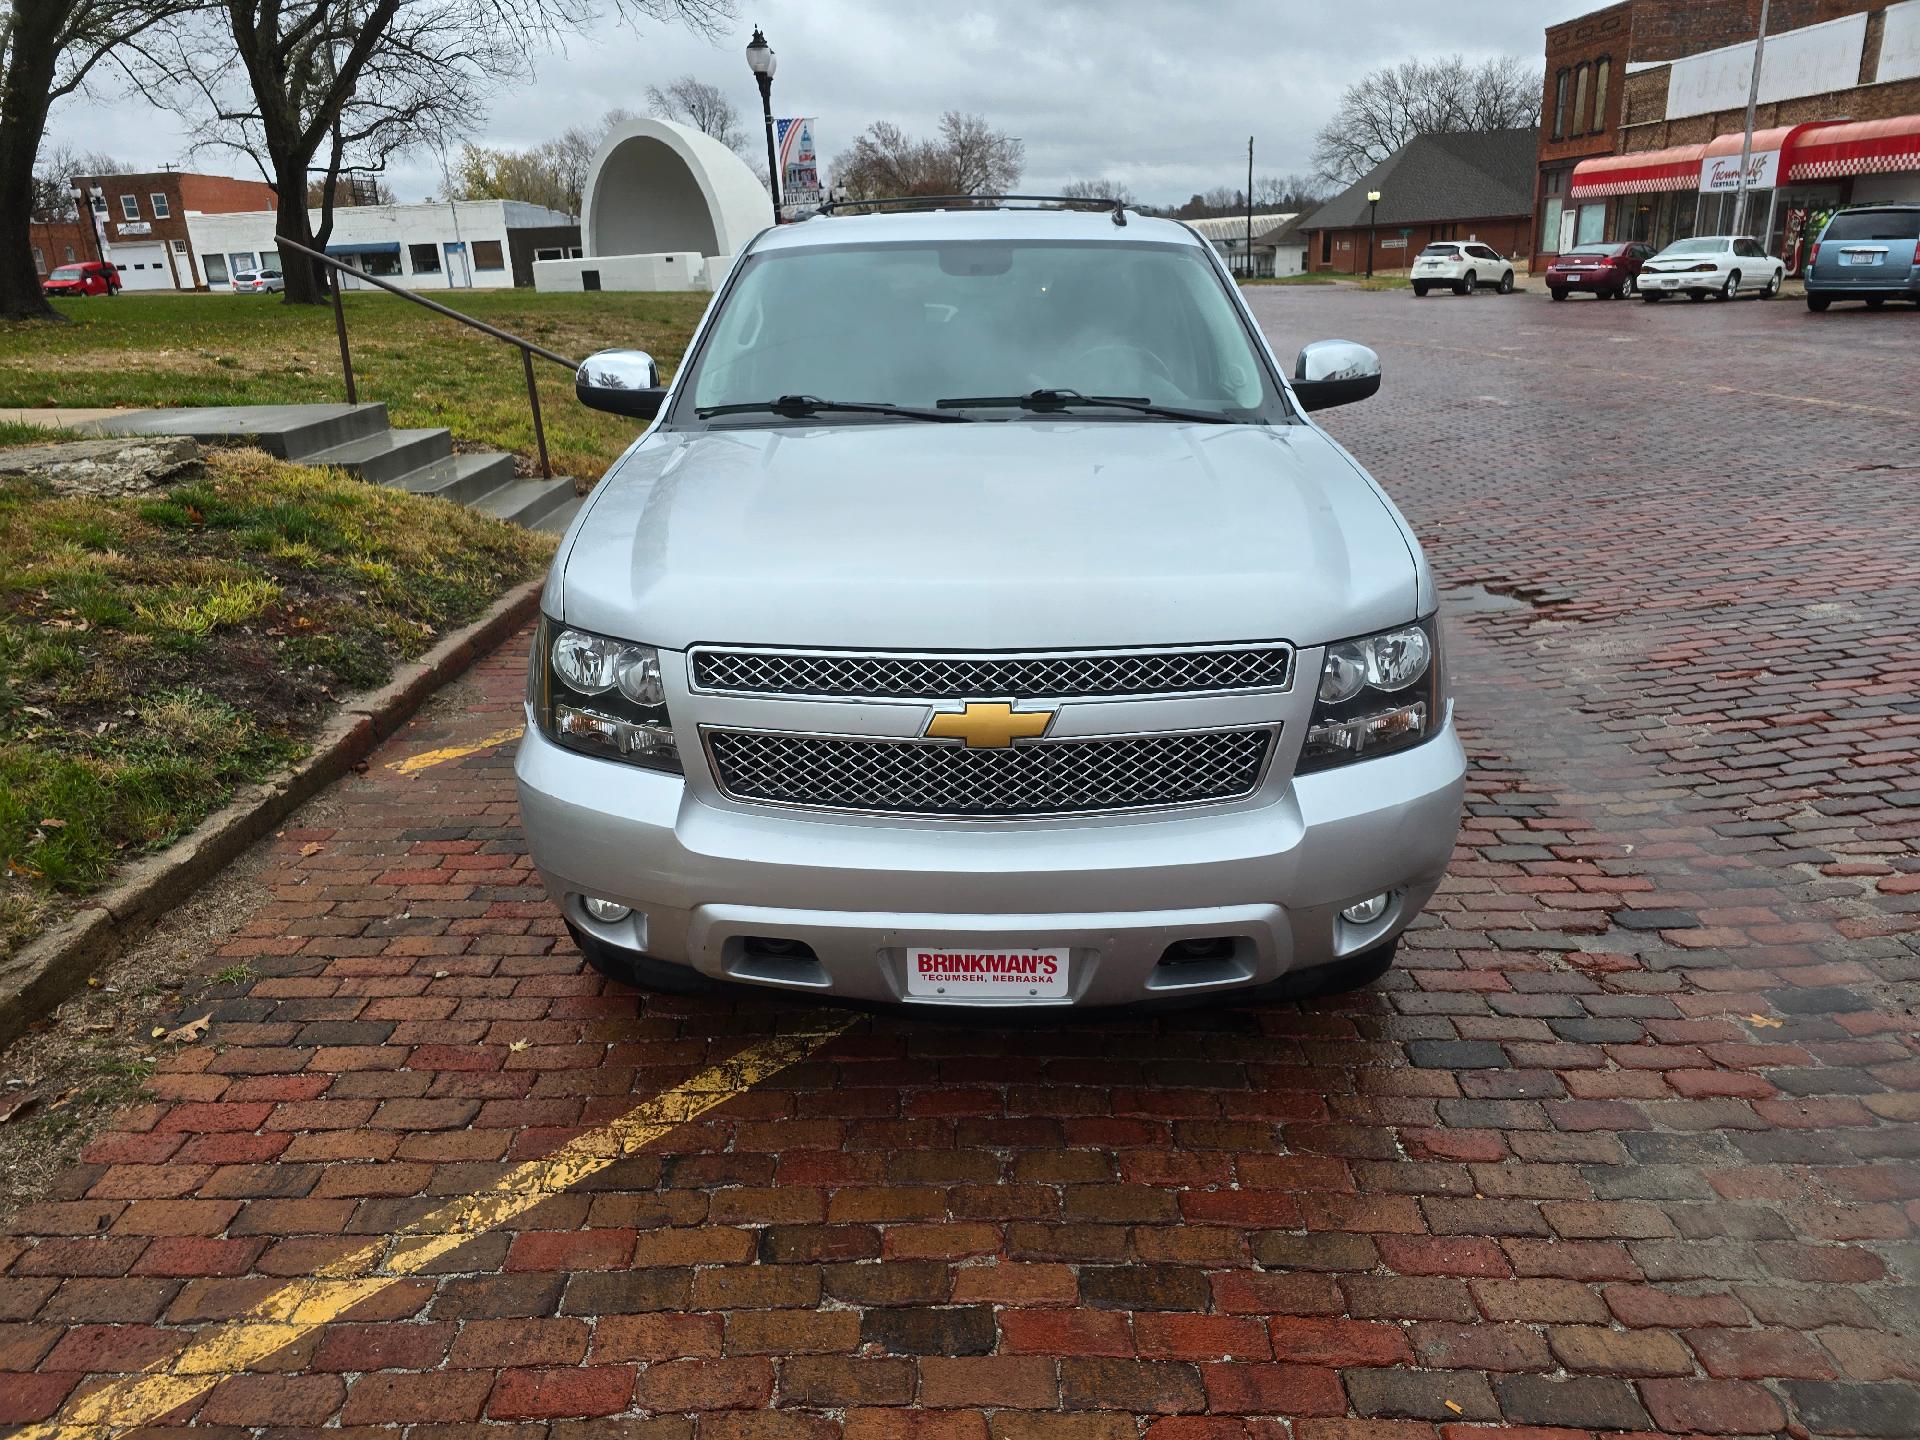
{"x":1334,"y":372}
{"x":621,"y":382}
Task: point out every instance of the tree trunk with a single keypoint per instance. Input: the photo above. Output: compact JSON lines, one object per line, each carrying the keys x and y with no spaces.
{"x":32,"y":53}
{"x":306,"y":278}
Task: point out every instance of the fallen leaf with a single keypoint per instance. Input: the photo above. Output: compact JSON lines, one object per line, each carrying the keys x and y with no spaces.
{"x":1766,"y":1022}
{"x":191,"y":1031}
{"x":51,"y":824}
{"x":441,"y":974}
{"x":312,"y":847}
{"x":17,"y":1103}
{"x":157,"y":1032}
{"x":93,"y":982}
{"x":517,"y":1046}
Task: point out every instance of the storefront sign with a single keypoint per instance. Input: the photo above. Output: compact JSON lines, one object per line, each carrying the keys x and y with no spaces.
{"x":1393,"y":242}
{"x":134,"y":227}
{"x":799,"y":168}
{"x":1720,"y":174}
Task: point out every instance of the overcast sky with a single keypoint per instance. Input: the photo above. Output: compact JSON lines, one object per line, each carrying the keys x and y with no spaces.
{"x":1161,"y":94}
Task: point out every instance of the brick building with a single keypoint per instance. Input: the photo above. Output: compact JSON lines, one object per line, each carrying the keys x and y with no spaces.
{"x":142,"y":220}
{"x":1645,"y":107}
{"x":1435,"y":187}
{"x":59,"y":242}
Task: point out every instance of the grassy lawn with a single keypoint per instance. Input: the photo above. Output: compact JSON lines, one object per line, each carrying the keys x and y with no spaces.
{"x":155,"y":350}
{"x":157,"y":652}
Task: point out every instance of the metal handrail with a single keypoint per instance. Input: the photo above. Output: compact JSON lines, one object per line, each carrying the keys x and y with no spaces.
{"x":526,"y":347}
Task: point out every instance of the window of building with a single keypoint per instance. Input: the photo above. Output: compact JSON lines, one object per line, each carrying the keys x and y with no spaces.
{"x":161,"y":209}
{"x":1582,"y":74}
{"x":550,"y":252}
{"x":99,"y":203}
{"x":216,"y":266}
{"x":39,"y":260}
{"x":71,"y":257}
{"x":1553,"y":192}
{"x":487,"y":256}
{"x":384,"y":263}
{"x":241,"y":260}
{"x":130,"y":206}
{"x":179,"y":247}
{"x":1602,"y":73}
{"x":1560,"y":105}
{"x":425,"y":259}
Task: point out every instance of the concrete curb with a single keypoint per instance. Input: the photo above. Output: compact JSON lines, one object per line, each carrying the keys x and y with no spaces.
{"x":43,"y":973}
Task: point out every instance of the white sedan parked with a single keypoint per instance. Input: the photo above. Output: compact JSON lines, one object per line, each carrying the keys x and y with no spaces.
{"x":1463,"y":265}
{"x":1704,"y":265}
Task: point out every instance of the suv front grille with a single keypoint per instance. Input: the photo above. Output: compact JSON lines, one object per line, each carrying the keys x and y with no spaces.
{"x":1038,"y":676}
{"x":1036,"y":777}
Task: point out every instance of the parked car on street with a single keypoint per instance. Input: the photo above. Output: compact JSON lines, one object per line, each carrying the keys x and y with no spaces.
{"x":1871,"y":253}
{"x":945,"y":755}
{"x":1610,"y":269}
{"x":1704,"y":265}
{"x":258,"y":282}
{"x":84,"y":277}
{"x":1463,"y":265}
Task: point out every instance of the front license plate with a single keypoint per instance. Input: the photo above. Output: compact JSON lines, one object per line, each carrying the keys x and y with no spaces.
{"x":972,"y":974}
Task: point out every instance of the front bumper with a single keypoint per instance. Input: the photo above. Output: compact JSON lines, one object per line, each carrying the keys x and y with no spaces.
{"x":1269,"y":881}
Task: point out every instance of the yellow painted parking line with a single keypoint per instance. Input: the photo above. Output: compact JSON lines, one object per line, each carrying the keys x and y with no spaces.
{"x":430,"y":758}
{"x":298,"y":1308}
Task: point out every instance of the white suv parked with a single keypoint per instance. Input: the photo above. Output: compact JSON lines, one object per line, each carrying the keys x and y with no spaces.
{"x":1465,"y":265}
{"x":983,"y":620}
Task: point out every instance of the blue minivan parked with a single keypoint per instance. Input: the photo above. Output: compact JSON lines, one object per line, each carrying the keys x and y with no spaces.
{"x":1869,"y":253}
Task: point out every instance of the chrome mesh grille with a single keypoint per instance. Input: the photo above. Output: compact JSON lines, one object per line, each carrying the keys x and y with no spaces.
{"x":1040,"y":777}
{"x":1050,"y":676}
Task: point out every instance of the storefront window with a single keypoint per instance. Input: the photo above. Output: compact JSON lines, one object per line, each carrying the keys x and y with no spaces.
{"x":424,"y":258}
{"x":384,"y":262}
{"x":1593,"y":224}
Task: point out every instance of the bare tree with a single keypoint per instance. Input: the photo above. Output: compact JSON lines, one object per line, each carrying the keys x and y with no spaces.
{"x":705,"y":107}
{"x":49,"y":49}
{"x":53,"y":178}
{"x":1098,"y":190}
{"x":553,"y":173}
{"x":353,"y":83}
{"x":1385,"y":109}
{"x":970,"y":157}
{"x":1288,"y":193}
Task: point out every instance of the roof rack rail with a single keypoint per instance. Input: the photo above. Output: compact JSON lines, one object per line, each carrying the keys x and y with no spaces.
{"x":1117,"y":208}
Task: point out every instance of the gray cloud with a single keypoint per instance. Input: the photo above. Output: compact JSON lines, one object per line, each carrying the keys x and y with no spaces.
{"x":1161,"y":95}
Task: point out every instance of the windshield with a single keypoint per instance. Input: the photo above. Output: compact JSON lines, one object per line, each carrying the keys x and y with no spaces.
{"x":67,"y":272}
{"x":1705,"y":245}
{"x":915,"y":324}
{"x":1874,"y":225}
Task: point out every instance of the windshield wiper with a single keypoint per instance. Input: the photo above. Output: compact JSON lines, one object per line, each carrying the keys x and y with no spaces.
{"x":801,"y":406}
{"x":1053,"y":401}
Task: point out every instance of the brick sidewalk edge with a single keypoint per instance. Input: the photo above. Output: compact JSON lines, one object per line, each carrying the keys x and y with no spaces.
{"x":35,"y":980}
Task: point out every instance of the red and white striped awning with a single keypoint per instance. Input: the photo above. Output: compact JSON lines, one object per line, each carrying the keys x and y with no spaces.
{"x":1677,"y":168}
{"x":1859,"y":147}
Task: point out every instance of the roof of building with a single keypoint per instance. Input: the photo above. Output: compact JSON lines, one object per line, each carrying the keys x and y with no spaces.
{"x":1288,"y":231}
{"x":1232,"y":227}
{"x":1467,"y":176}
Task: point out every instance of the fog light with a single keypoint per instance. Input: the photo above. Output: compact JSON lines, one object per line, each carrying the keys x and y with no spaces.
{"x":1367,"y":911}
{"x":605,"y":911}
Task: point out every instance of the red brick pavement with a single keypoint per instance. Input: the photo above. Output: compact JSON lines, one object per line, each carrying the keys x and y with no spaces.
{"x":1627,"y":1144}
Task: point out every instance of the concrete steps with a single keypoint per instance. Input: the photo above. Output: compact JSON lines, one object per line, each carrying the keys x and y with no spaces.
{"x":360,"y":440}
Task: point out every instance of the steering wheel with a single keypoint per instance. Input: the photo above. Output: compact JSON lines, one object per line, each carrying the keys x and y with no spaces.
{"x":1132,"y":351}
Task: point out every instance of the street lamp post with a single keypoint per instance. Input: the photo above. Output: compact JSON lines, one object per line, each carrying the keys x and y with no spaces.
{"x":1373,"y":216}
{"x":761,"y":60}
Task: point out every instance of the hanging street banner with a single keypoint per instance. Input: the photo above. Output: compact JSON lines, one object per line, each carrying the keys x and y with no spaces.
{"x":799,"y":167}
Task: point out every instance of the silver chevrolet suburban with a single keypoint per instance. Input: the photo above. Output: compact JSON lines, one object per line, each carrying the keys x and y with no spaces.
{"x":983,"y":621}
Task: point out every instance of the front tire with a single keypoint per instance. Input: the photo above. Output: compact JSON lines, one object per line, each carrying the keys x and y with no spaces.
{"x":1506,"y":283}
{"x":1468,"y":285}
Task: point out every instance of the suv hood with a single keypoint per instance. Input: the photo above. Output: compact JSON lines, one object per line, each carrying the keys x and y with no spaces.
{"x":1023,"y":535}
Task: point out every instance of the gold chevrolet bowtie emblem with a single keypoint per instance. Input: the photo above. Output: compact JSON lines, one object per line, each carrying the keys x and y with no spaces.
{"x":988,"y":726}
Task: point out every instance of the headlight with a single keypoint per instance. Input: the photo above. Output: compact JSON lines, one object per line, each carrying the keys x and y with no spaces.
{"x":602,"y":697}
{"x":1377,"y":694}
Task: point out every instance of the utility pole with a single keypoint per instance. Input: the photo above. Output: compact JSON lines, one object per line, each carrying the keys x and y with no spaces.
{"x":1249,"y":207}
{"x":1746,"y":140}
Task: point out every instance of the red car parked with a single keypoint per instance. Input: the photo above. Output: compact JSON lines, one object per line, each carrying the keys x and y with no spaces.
{"x":88,"y":277}
{"x":1609,"y":269}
